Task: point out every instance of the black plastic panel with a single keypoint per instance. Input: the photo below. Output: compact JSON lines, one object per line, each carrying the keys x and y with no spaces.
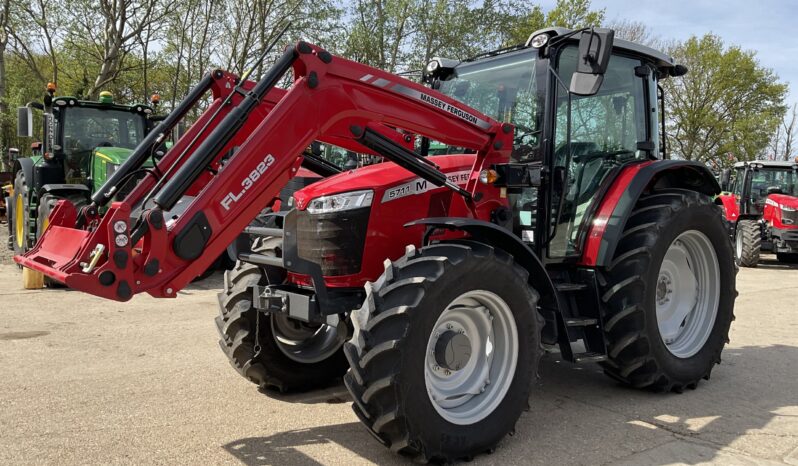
{"x":334,"y":241}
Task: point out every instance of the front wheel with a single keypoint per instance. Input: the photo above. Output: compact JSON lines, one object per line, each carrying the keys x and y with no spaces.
{"x":668,"y":296}
{"x":272,"y":350}
{"x":444,"y":351}
{"x":748,"y":243}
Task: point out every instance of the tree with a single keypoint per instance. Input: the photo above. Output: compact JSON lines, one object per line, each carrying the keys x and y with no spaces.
{"x":726,"y":104}
{"x":572,"y":14}
{"x":783,"y":144}
{"x":633,"y":31}
{"x":121,"y":23}
{"x":380,"y":31}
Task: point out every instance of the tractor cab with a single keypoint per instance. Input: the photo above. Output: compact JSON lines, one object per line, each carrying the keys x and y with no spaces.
{"x":81,"y":143}
{"x":577,"y":123}
{"x":86,"y":139}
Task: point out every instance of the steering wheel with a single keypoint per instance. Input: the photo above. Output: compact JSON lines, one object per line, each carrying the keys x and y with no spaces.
{"x":525,"y":131}
{"x":591,"y":156}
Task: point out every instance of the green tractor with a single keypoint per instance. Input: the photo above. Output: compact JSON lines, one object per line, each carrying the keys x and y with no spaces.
{"x":83,"y":142}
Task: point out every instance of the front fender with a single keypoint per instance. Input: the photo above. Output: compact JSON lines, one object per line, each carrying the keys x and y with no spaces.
{"x":502,"y":238}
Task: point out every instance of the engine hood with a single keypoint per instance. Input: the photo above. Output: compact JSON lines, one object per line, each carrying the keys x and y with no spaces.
{"x":114,"y":155}
{"x":783,"y":200}
{"x":382,"y":177}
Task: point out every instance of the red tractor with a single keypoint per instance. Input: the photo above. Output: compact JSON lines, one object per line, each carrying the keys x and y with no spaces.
{"x":434,"y":283}
{"x":762,"y":205}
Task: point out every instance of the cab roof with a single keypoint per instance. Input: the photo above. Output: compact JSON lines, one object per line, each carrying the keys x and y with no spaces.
{"x":659,"y":58}
{"x":767,"y":164}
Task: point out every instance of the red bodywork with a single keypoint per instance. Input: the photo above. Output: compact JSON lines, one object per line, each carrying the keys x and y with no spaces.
{"x":399,"y":197}
{"x":773,"y":210}
{"x":327,"y":98}
{"x":608,"y":205}
{"x":731,"y":206}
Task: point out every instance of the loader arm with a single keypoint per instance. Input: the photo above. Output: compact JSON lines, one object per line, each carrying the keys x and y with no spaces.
{"x":266,"y":130}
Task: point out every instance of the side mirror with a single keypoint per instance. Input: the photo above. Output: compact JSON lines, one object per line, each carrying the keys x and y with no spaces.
{"x":24,"y":122}
{"x":725,"y":179}
{"x":595,"y":48}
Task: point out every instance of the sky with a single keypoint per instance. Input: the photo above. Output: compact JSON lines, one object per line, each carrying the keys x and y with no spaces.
{"x":764,"y":26}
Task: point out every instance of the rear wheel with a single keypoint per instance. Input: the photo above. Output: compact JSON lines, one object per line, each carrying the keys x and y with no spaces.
{"x":274,"y":351}
{"x":21,"y":214}
{"x":444,"y":351}
{"x":668,"y":296}
{"x":748,"y":243}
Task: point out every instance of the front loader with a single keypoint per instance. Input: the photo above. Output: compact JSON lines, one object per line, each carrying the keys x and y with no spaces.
{"x":436,"y":283}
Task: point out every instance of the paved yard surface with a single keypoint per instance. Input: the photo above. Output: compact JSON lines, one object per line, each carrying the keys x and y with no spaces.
{"x":84,"y":380}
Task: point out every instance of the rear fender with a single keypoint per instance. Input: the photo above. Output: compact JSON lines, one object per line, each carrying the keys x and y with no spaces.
{"x":66,"y":189}
{"x":609,"y":220}
{"x":731,"y":208}
{"x":501,"y":238}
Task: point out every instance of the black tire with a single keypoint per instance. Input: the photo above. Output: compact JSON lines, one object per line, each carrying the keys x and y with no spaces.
{"x":46,"y":205}
{"x":636,"y":351}
{"x":387,"y":353}
{"x":237,"y":321}
{"x":787,"y":257}
{"x":748,"y":243}
{"x":20,"y":242}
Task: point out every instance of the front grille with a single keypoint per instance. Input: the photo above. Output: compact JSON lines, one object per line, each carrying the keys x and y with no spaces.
{"x":334,"y":241}
{"x":789,"y":235}
{"x":789,"y":217}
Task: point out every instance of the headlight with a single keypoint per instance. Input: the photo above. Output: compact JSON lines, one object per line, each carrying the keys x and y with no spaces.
{"x":340,"y":202}
{"x":539,"y":41}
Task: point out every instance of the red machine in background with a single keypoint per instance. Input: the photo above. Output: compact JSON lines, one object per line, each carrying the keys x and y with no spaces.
{"x":762,"y":204}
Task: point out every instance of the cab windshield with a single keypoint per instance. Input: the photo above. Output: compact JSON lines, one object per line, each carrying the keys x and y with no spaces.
{"x":85,"y":128}
{"x":504,"y":89}
{"x":767,"y":181}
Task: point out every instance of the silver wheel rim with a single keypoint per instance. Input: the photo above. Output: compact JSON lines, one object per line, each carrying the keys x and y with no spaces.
{"x":302,"y":342}
{"x":738,"y":243}
{"x":471,"y":357}
{"x":688,"y":294}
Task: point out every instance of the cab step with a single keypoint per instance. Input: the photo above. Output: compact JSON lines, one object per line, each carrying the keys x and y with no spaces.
{"x":589,"y":357}
{"x":580,"y":322}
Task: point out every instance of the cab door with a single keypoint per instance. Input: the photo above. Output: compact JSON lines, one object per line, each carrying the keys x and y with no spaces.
{"x":594,"y":137}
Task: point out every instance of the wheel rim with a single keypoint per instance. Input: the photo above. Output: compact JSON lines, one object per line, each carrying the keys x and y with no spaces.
{"x":688,"y":294}
{"x":471,"y":357}
{"x":738,"y":243}
{"x":19,"y":221}
{"x":303,"y":342}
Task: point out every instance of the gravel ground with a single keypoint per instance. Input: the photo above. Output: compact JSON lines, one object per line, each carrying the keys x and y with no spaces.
{"x":5,"y":254}
{"x":88,"y":381}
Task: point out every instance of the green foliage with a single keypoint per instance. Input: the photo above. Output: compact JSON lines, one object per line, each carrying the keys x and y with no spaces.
{"x":571,"y":14}
{"x":728,"y":105}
